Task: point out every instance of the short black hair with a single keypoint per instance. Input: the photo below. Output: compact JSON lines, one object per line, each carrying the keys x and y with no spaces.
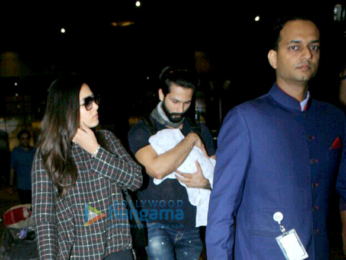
{"x":24,"y":131}
{"x":280,"y":23}
{"x":179,"y":76}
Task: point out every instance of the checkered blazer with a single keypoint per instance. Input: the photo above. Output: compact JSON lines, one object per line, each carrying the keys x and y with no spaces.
{"x":60,"y":223}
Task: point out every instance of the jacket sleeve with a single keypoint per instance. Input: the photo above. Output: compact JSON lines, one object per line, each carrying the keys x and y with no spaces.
{"x":117,"y":166}
{"x":232,"y":161}
{"x":43,"y":210}
{"x":341,"y":178}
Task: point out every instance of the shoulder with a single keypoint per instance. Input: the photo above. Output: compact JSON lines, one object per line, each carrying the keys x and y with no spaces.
{"x":107,"y":140}
{"x":253,"y":107}
{"x":207,"y":138}
{"x":327,"y":109}
{"x":141,"y":130}
{"x":16,"y":151}
{"x":38,"y":164}
{"x":241,"y":117}
{"x":138,"y":127}
{"x":138,"y":136}
{"x":203,"y":127}
{"x":106,"y":134}
{"x":261,"y":102}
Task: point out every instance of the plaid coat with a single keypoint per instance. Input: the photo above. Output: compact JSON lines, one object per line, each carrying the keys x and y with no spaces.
{"x":61,"y":224}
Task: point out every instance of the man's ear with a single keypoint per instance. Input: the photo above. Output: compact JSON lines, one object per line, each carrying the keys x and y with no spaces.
{"x":161,"y":95}
{"x":273,"y":58}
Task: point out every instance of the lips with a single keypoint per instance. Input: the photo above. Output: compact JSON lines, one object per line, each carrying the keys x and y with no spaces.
{"x":304,"y":67}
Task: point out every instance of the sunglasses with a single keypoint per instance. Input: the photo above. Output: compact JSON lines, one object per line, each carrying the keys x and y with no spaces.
{"x":89,"y":101}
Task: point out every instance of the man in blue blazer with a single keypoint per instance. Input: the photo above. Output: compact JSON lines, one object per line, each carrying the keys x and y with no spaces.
{"x":280,"y":154}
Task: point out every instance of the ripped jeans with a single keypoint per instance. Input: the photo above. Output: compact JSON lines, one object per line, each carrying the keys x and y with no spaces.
{"x":169,"y":243}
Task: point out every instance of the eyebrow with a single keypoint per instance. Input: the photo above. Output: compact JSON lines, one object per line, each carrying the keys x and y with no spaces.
{"x":299,"y":41}
{"x":174,"y":99}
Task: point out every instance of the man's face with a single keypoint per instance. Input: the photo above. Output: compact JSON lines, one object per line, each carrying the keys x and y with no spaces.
{"x":176,"y":102}
{"x":296,"y":60}
{"x":24,"y":140}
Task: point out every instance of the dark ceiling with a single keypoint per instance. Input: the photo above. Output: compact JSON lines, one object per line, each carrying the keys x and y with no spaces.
{"x":164,"y":32}
{"x":129,"y":59}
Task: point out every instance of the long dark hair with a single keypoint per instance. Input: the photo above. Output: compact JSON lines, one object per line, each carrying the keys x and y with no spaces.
{"x":59,"y":125}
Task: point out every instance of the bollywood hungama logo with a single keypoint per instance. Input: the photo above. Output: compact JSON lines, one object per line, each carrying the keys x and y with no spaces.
{"x":144,"y":210}
{"x":92,"y":215}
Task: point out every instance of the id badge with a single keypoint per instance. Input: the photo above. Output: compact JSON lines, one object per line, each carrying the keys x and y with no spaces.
{"x":291,"y":246}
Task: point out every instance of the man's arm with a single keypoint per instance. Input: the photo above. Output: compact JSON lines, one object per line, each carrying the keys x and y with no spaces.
{"x":341,"y":178}
{"x":10,"y":189}
{"x":12,"y":171}
{"x":158,"y":166}
{"x":233,"y":159}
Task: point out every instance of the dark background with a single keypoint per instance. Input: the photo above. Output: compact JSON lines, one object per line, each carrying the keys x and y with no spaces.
{"x":220,"y":39}
{"x":127,"y":60}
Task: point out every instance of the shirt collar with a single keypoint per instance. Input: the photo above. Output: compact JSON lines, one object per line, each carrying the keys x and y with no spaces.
{"x":286,"y":100}
{"x":304,"y":103}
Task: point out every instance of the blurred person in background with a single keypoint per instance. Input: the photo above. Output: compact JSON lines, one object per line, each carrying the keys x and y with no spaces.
{"x":21,"y":163}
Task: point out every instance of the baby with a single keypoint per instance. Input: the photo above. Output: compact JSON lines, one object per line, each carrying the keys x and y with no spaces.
{"x":167,"y":139}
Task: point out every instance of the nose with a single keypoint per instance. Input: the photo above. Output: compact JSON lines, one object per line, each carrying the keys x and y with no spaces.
{"x":95,"y":105}
{"x":307,"y":54}
{"x":181,"y":108}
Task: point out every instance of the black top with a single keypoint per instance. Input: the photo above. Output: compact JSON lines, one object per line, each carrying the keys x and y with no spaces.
{"x":166,"y":203}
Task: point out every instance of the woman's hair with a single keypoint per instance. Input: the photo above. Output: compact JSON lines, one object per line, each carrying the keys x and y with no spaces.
{"x":59,"y":125}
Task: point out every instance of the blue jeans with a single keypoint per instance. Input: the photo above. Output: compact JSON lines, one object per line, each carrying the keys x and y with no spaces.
{"x":169,"y":243}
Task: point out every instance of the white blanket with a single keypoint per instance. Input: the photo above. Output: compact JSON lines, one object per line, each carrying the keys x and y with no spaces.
{"x":167,"y":139}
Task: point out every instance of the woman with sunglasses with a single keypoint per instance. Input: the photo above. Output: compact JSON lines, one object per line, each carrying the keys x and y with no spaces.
{"x":78,"y":207}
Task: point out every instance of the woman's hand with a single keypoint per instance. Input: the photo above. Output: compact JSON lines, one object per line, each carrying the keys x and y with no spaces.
{"x":86,"y":139}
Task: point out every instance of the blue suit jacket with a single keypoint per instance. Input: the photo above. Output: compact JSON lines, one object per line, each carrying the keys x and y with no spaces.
{"x":274,"y":157}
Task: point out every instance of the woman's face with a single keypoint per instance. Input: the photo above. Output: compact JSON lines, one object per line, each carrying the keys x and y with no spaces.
{"x":89,"y":117}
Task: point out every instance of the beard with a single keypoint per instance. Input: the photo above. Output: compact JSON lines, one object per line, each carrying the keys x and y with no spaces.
{"x":173,"y":117}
